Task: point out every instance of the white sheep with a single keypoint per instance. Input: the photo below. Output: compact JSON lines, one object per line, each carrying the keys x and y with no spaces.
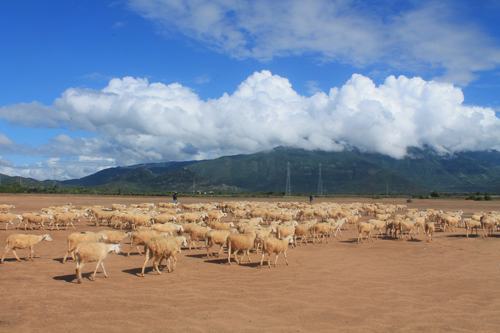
{"x":365,"y":228}
{"x":240,"y":242}
{"x":276,"y":246}
{"x":216,"y":237}
{"x":93,"y":252}
{"x":171,"y":228}
{"x":76,"y":238}
{"x":113,"y":236}
{"x":163,"y":248}
{"x":23,"y":241}
{"x":9,"y":218}
{"x":429,"y":229}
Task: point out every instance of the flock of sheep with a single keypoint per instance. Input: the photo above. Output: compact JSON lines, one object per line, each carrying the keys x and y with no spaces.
{"x":239,"y":227}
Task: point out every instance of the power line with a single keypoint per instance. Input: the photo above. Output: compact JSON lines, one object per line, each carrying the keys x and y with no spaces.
{"x":288,"y":186}
{"x":320,"y":181}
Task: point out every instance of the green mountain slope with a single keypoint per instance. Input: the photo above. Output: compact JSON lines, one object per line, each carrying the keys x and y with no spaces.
{"x":346,"y":172}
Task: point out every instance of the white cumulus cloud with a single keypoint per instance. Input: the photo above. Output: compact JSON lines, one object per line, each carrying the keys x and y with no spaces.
{"x":137,"y":121}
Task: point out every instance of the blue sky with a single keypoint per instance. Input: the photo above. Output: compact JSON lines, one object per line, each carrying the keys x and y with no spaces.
{"x":277,"y":62}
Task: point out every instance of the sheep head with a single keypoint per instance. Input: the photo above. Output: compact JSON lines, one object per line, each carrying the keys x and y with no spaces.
{"x":114,"y":248}
{"x":47,"y":238}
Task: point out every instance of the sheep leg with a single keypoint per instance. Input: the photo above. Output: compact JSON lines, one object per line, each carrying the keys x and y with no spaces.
{"x":104,"y":270}
{"x":269,"y":260}
{"x":4,"y":254}
{"x":276,"y":259}
{"x":15,"y":254}
{"x":248,"y":255}
{"x":146,"y":259}
{"x":262,"y":259}
{"x":66,"y":256}
{"x":95,"y":270}
{"x":229,"y":254}
{"x":79,"y":267}
{"x":286,"y":259}
{"x":155,"y":265}
{"x":208,"y":249}
{"x":32,"y":253}
{"x":220,"y":250}
{"x":236,"y":256}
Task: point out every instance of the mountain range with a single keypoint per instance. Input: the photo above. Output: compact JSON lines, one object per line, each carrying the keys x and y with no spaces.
{"x":345,"y":172}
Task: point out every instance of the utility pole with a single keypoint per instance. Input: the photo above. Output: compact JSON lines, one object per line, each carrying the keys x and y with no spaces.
{"x":320,"y":181}
{"x":288,"y":186}
{"x":194,"y":185}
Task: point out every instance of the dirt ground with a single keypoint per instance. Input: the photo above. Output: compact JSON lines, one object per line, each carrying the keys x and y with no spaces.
{"x":451,"y":284}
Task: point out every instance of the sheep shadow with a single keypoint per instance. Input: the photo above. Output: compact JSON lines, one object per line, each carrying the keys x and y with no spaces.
{"x":137,"y":271}
{"x":414,"y":240}
{"x":198,"y":255}
{"x":350,"y":241}
{"x":223,"y":261}
{"x":69,"y":278}
{"x":217,"y":261}
{"x":14,"y":260}
{"x":463,"y":236}
{"x":132,"y":254}
{"x":60,"y":260}
{"x":252,"y":264}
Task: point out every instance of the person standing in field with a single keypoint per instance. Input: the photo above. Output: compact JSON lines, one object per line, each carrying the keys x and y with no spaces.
{"x":311,"y":198}
{"x":174,"y":197}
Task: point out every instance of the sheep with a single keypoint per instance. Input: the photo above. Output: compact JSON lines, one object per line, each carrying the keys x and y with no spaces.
{"x":113,"y":236}
{"x":93,"y":252}
{"x":240,"y":242}
{"x":276,"y":246}
{"x":31,"y":218}
{"x":261,"y":234}
{"x":303,"y":231}
{"x":141,"y":237}
{"x":76,"y":238}
{"x":170,"y":228}
{"x":321,"y":231}
{"x":139,"y":220}
{"x":216,"y":237}
{"x":215,"y":215}
{"x":65,"y":219}
{"x":365,"y":228}
{"x":165,"y":218}
{"x":471,"y":225}
{"x":407,"y":227}
{"x":450,"y":222}
{"x":160,"y":248}
{"x":197,"y":233}
{"x":286,"y":230}
{"x":488,"y":222}
{"x":221,"y":225}
{"x":9,"y":218}
{"x":429,"y":229}
{"x":378,"y":226}
{"x":23,"y":241}
{"x":5,"y":208}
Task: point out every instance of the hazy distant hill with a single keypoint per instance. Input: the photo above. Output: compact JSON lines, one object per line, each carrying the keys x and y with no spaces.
{"x":348,"y":171}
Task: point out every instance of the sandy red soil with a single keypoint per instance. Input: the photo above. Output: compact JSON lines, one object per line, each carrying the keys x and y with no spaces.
{"x":450,"y":284}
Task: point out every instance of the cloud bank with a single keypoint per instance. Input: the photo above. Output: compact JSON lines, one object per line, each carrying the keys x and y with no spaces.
{"x":135,"y":121}
{"x":418,"y":35}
